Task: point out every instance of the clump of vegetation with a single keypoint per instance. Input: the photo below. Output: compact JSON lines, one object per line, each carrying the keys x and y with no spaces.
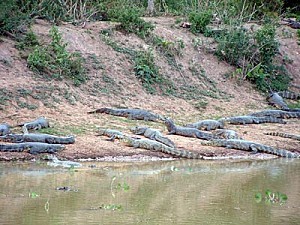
{"x":254,"y":53}
{"x":271,"y":197}
{"x":112,"y":207}
{"x":33,"y":194}
{"x":146,"y":70}
{"x":132,"y":23}
{"x":13,"y":19}
{"x":55,"y":61}
{"x":168,"y":48}
{"x":199,"y":21}
{"x":27,"y":41}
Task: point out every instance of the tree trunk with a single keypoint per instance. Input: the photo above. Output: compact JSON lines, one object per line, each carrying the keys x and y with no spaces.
{"x":150,"y":8}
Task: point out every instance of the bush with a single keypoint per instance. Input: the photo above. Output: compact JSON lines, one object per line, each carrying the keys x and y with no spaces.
{"x":266,"y":44}
{"x":254,"y":53}
{"x":12,"y":19}
{"x":56,"y":61}
{"x":132,"y":23}
{"x":234,"y":46}
{"x":27,"y":41}
{"x":199,"y":21}
{"x":146,"y":70}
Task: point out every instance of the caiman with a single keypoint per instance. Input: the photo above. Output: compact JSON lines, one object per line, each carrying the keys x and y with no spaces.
{"x":251,"y":146}
{"x":133,"y":114}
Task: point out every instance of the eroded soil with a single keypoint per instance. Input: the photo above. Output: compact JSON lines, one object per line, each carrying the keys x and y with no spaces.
{"x":112,"y":83}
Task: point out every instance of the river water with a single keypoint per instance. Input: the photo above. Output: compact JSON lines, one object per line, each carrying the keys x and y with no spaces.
{"x":170,"y":192}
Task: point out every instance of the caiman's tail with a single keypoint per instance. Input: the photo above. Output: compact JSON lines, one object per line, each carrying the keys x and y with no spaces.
{"x":284,"y":135}
{"x":289,"y":95}
{"x":101,"y":110}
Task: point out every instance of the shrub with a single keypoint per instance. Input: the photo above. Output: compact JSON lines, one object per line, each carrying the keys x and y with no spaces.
{"x":234,"y":45}
{"x":266,"y":44}
{"x":27,"y":41}
{"x":56,"y":61}
{"x":199,"y":21}
{"x":132,"y":23}
{"x":12,"y":19}
{"x":254,"y":53}
{"x":146,"y":70}
{"x":167,"y":48}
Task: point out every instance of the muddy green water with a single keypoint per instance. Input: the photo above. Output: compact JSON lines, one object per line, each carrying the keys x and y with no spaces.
{"x":173,"y":192}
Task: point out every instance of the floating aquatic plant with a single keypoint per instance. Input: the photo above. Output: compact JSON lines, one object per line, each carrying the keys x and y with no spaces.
{"x":271,"y":197}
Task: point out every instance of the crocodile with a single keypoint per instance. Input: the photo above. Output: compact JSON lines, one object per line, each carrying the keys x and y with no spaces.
{"x":277,"y":113}
{"x":284,"y":135}
{"x":187,"y":131}
{"x":4,"y":129}
{"x":207,"y":125}
{"x":33,"y":137}
{"x":37,"y":124}
{"x":112,"y":134}
{"x":153,"y":145}
{"x":32,"y":147}
{"x":54,"y":161}
{"x":226,"y":134}
{"x":277,"y":101}
{"x":235,"y":120}
{"x":153,"y":134}
{"x":289,"y":95}
{"x":133,"y":114}
{"x":251,"y":146}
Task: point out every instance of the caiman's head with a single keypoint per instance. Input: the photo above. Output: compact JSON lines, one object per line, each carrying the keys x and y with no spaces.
{"x":138,"y":129}
{"x":101,"y":131}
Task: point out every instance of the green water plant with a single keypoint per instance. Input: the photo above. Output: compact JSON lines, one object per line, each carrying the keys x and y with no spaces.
{"x":112,"y":207}
{"x":33,"y":194}
{"x":123,"y":186}
{"x":271,"y":197}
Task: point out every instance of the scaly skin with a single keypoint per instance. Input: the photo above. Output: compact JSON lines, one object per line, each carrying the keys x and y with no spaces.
{"x":112,"y":134}
{"x":32,"y":147}
{"x":226,"y":134}
{"x":277,"y":113}
{"x":152,"y":134}
{"x":56,"y":162}
{"x":43,"y":138}
{"x":35,"y":125}
{"x":152,"y":145}
{"x":4,"y":129}
{"x":284,"y":135}
{"x":133,"y":114}
{"x":289,"y":95}
{"x":251,"y":146}
{"x":277,"y":101}
{"x":187,"y":131}
{"x":207,"y":125}
{"x":242,"y":120}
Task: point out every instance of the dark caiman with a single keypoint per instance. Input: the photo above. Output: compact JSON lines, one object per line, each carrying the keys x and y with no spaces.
{"x":34,"y":137}
{"x":133,"y":114}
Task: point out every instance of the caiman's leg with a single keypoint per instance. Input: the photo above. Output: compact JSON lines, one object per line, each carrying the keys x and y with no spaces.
{"x":24,"y":129}
{"x":253,"y":149}
{"x":39,"y":126}
{"x":112,"y":138}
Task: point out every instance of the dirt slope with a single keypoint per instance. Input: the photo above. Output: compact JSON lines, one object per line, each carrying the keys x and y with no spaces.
{"x":203,"y":91}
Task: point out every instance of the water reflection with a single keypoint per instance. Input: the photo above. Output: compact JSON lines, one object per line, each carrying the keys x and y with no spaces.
{"x":172,"y":192}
